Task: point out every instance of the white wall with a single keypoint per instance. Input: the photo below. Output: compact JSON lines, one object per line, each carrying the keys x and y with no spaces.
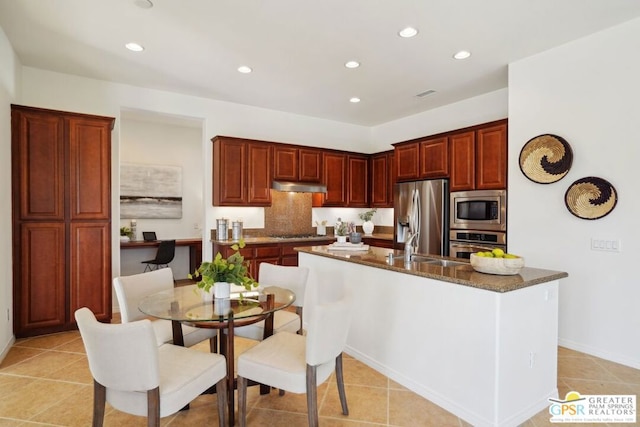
{"x":169,"y":143}
{"x":70,"y":93}
{"x":9,"y":82}
{"x":588,"y":92}
{"x":480,"y":109}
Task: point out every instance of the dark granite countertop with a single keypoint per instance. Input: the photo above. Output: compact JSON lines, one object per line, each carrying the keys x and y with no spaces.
{"x":461,"y":275}
{"x":267,"y":239}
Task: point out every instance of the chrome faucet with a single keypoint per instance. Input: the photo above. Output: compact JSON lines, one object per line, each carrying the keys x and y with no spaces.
{"x":408,"y":247}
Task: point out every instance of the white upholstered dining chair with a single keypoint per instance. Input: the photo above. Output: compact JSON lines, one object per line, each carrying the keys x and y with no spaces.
{"x":131,"y":289}
{"x":292,"y":278}
{"x":299,"y":363}
{"x":136,"y":376}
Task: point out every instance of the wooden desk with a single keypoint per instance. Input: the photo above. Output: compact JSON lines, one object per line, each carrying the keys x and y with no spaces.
{"x":195,"y":249}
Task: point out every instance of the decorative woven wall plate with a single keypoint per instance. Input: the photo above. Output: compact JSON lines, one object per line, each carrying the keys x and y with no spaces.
{"x":591,"y":198}
{"x":546,"y":158}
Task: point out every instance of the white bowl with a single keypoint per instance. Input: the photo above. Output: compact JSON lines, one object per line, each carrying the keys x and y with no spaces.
{"x":501,"y":266}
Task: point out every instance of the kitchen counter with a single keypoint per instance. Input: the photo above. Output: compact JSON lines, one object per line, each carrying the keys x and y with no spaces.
{"x":462,"y":275}
{"x":314,"y":238}
{"x":270,"y":240}
{"x":483,"y":347}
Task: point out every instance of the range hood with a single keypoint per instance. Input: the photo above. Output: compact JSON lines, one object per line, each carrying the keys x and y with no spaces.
{"x":299,"y":187}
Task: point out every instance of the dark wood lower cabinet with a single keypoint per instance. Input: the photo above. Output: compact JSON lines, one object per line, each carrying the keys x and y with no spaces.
{"x":282,"y":253}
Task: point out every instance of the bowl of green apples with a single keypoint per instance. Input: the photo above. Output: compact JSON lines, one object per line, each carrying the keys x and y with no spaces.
{"x":497,"y":262}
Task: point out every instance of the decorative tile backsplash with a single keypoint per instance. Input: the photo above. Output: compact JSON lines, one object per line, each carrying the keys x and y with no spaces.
{"x":289,"y":213}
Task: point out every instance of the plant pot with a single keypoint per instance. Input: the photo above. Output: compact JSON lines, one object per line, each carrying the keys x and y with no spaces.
{"x":342,"y":239}
{"x":367,"y":227}
{"x":124,"y":238}
{"x":222,"y":290}
{"x":355,"y":238}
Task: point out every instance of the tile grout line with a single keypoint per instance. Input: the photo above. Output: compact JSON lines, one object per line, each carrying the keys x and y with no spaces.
{"x":388,"y":401}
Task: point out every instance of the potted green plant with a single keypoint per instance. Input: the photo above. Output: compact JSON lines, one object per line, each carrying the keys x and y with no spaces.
{"x":367,"y":225}
{"x":125,"y":234}
{"x":221,"y":272}
{"x":341,"y":231}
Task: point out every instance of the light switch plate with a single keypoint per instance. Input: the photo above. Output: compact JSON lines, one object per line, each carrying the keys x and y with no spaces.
{"x":606,"y":245}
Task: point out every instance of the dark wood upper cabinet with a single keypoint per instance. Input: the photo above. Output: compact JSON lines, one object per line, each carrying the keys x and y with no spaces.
{"x":39,"y":165}
{"x":334,"y":171}
{"x":491,"y":157}
{"x":61,"y":192}
{"x":229,"y":172}
{"x":434,"y":158}
{"x":241,"y":172}
{"x":259,"y":174}
{"x":422,"y":159}
{"x":285,"y":163}
{"x":407,"y":157}
{"x":479,"y":158}
{"x":358,"y":181}
{"x":472,"y":158}
{"x":382,"y":180}
{"x":88,"y":183}
{"x":293,"y":163}
{"x":310,"y":165}
{"x":463,"y":171}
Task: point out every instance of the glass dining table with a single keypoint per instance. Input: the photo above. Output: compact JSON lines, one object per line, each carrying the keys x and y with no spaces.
{"x":187,"y":305}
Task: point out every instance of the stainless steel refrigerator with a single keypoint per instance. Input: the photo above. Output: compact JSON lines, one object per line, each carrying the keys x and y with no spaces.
{"x":422,"y":207}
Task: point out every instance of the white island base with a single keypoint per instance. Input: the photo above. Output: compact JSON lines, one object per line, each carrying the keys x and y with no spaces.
{"x":488,"y":357}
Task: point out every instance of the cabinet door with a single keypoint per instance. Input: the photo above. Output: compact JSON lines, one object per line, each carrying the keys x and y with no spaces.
{"x":462,"y":151}
{"x":90,"y":268}
{"x":358,"y":181}
{"x":229,"y":172}
{"x":310,"y":165}
{"x":491,"y":158}
{"x":334,"y":172}
{"x":90,"y":169}
{"x":434,"y":158}
{"x":407,"y":162}
{"x":380,"y":180}
{"x":38,"y":163}
{"x":41,"y":294}
{"x":259,"y":174}
{"x":285,"y":163}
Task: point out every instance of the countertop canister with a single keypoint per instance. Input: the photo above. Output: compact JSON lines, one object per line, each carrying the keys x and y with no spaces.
{"x":222,"y":229}
{"x":236,"y":230}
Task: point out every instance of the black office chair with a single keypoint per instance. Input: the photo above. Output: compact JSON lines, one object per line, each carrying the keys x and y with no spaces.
{"x":165,"y":254}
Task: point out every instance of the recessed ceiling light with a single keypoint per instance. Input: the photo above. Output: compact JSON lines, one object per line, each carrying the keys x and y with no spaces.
{"x":407,"y":32}
{"x":354,"y":100}
{"x":463,"y":54}
{"x":244,"y":69}
{"x":135,"y":47}
{"x":352,"y":64}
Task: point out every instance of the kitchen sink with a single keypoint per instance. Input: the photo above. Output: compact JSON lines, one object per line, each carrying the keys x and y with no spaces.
{"x":436,"y":261}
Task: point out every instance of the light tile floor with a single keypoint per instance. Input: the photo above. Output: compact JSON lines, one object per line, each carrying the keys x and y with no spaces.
{"x":46,"y":381}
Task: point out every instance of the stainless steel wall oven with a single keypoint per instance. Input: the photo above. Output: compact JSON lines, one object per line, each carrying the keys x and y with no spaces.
{"x":478,"y":222}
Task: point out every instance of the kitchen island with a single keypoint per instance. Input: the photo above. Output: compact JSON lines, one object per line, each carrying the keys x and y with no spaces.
{"x":483,"y":347}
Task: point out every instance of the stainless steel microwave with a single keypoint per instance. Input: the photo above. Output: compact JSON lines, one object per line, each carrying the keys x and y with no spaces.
{"x":478,"y":210}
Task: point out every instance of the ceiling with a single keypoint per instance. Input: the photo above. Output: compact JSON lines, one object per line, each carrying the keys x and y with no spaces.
{"x":297,"y":48}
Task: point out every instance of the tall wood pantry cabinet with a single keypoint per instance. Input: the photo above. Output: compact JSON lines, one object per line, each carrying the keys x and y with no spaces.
{"x":61,"y":202}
